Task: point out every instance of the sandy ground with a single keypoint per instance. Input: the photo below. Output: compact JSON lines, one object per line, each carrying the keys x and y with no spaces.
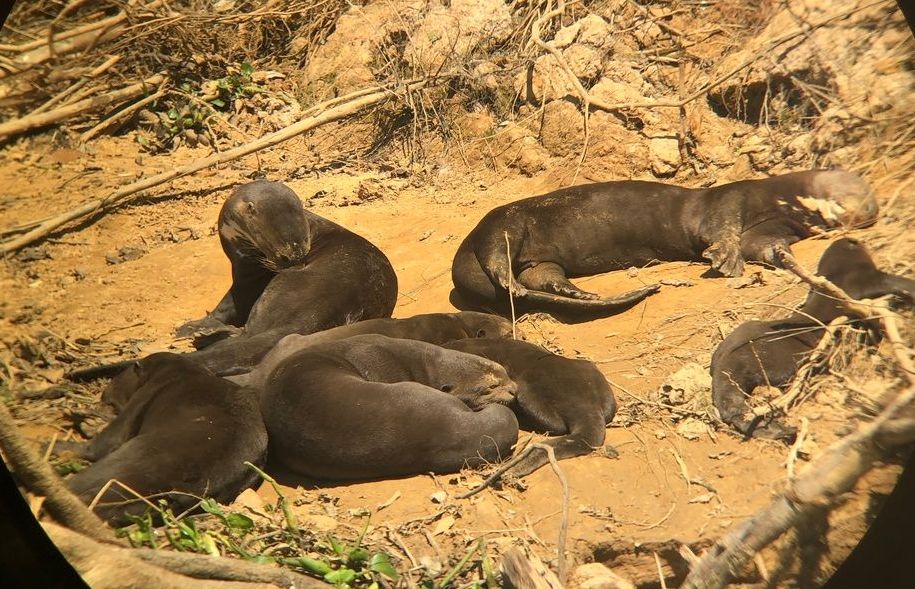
{"x":671,"y":480}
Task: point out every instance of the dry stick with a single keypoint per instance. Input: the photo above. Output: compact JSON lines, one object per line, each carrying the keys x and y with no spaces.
{"x":823,"y":481}
{"x":93,"y":26}
{"x":564,"y":525}
{"x":511,"y":278}
{"x":341,"y":111}
{"x":88,"y":36}
{"x":227,"y":569}
{"x":122,"y":114}
{"x":103,"y":565}
{"x":496,"y":474}
{"x":70,"y":7}
{"x":66,"y":93}
{"x":526,"y":572}
{"x":36,"y":475}
{"x":18,"y":126}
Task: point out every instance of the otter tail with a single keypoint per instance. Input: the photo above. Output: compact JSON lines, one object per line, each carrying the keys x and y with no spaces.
{"x":569,"y":304}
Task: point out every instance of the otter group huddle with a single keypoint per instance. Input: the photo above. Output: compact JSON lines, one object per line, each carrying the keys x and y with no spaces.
{"x":301,"y":355}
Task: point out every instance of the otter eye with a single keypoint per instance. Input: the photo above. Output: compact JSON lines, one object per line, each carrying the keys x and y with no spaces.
{"x":447,"y":388}
{"x":251,"y":207}
{"x":481,"y":333}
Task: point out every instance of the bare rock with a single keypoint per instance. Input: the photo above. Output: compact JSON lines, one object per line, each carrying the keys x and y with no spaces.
{"x":584,"y":61}
{"x":616,"y":92}
{"x":344,"y":61}
{"x":665,"y":155}
{"x":519,"y":149}
{"x":595,"y":31}
{"x":566,"y":35}
{"x":450,"y":33}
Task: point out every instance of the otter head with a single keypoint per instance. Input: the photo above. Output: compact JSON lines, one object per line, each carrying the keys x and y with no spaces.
{"x":484,"y":325}
{"x":123,"y":386}
{"x":842,"y":199}
{"x":266,"y":220}
{"x":475,"y":381}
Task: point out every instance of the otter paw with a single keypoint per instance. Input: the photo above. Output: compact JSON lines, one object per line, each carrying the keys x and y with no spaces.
{"x":725,"y":258}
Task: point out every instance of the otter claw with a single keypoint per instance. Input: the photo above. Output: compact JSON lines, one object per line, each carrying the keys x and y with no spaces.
{"x":724,"y":259}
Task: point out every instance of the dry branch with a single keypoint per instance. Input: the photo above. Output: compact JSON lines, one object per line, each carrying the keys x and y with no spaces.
{"x":34,"y":121}
{"x":523,"y":572}
{"x":38,"y":477}
{"x":83,"y":37}
{"x":123,"y":114}
{"x":107,"y":567}
{"x":342,"y":109}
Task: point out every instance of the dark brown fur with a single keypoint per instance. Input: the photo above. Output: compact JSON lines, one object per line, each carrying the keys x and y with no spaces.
{"x":180,"y":431}
{"x":594,"y":228}
{"x":769,"y":352}
{"x":292,"y":272}
{"x":558,"y":396}
{"x":370,"y":406}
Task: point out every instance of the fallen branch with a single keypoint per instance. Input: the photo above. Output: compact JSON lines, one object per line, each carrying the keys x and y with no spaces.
{"x":342,"y":109}
{"x":103,"y":566}
{"x":123,"y":114}
{"x":821,"y":484}
{"x":34,"y":121}
{"x":37,"y":476}
{"x":527,"y":572}
{"x":564,"y":524}
{"x":38,"y":52}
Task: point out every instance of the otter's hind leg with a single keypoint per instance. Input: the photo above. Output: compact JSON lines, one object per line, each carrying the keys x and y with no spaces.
{"x":551,"y":277}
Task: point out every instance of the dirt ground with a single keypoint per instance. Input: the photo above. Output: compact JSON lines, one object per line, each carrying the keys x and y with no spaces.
{"x":663,"y":485}
{"x":120,"y":285}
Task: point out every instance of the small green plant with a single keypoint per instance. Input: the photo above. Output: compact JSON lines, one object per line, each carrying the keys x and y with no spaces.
{"x":238,"y":84}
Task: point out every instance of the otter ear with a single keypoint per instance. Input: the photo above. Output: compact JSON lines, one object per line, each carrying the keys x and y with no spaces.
{"x":447,"y":388}
{"x":481,"y":333}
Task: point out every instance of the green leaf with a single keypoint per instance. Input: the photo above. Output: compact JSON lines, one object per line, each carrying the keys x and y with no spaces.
{"x":209,"y":505}
{"x":142,"y":141}
{"x":357,"y":556}
{"x":338,"y":548}
{"x":186,"y":87}
{"x":260,"y":558}
{"x":340,"y":576}
{"x":238,"y":521}
{"x":218,"y":102}
{"x":247,"y":69}
{"x":381,"y":563}
{"x":208,"y":544}
{"x":318,"y":567}
{"x":172,"y":113}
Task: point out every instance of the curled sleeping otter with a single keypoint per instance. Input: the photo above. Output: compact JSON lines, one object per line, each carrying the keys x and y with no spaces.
{"x":434,"y":328}
{"x":292,"y":272}
{"x":593,"y":228}
{"x":370,"y":406}
{"x":769,"y":352}
{"x":559,"y":396}
{"x":181,"y":433}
